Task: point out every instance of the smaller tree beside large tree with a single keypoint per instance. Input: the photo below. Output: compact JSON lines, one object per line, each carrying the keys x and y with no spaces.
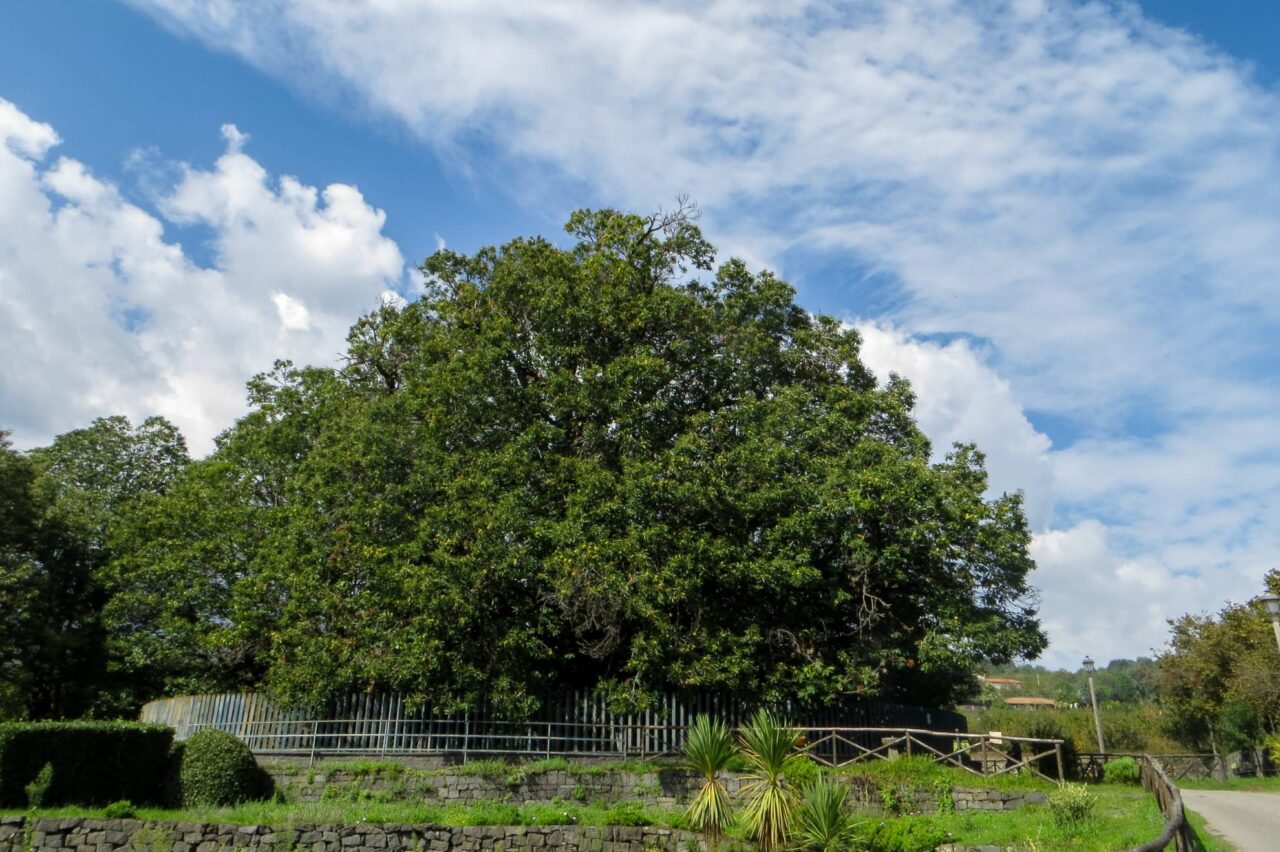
{"x":1220,"y":677}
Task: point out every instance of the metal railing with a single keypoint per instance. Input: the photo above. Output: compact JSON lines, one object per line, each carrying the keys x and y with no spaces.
{"x":575,"y":723}
{"x":382,"y":726}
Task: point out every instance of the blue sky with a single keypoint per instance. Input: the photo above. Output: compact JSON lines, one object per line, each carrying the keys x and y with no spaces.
{"x":1056,"y":218}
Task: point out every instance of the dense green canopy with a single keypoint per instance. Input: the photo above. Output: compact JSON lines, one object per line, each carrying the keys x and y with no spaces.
{"x":56,"y":506}
{"x":577,"y":467}
{"x":1219,"y":677}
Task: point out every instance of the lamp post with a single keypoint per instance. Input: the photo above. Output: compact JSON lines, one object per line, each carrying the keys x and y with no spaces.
{"x":1093,"y":698}
{"x":1272,"y":603}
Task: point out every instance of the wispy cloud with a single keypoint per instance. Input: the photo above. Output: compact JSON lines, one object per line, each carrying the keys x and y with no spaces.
{"x":1093,"y":195}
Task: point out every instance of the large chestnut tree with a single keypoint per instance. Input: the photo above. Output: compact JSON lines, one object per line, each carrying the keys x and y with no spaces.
{"x":606,"y":465}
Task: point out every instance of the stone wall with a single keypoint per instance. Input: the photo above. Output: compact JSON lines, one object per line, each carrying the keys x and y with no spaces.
{"x":20,"y":834}
{"x":667,"y":788}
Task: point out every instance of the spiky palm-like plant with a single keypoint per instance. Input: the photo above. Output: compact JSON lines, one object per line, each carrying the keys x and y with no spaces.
{"x":822,"y":823}
{"x":766,"y":743}
{"x":708,"y":746}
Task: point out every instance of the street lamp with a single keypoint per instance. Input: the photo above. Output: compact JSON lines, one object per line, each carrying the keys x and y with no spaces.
{"x":1272,"y":603}
{"x":1093,"y":697}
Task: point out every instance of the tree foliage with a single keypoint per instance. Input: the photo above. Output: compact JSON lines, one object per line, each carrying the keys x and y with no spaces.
{"x":604,"y":465}
{"x":1220,"y":677}
{"x":56,"y":504}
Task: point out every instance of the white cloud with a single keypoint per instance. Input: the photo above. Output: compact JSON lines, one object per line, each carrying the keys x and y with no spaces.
{"x":293,"y":314}
{"x":1186,"y":531}
{"x":961,"y":399}
{"x":1098,"y":603}
{"x":105,"y":315}
{"x":1071,"y":182}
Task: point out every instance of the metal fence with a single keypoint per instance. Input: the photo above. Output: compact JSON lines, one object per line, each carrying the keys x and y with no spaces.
{"x":574,"y":724}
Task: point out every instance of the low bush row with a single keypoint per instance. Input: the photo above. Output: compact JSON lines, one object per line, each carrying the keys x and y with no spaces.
{"x":47,"y":764}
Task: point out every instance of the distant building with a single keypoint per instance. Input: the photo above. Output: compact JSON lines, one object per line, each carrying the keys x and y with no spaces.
{"x":1030,"y":703}
{"x":1002,"y":683}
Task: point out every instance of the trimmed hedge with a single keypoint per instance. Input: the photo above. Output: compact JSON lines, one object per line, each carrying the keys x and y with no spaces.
{"x":94,"y":763}
{"x":216,"y":768}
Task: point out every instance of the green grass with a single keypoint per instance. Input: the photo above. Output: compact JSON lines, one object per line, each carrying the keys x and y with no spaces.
{"x":1125,"y":817}
{"x":493,"y":769}
{"x":1243,"y":784}
{"x":363,"y":768}
{"x":346,"y":813}
{"x":922,"y":772}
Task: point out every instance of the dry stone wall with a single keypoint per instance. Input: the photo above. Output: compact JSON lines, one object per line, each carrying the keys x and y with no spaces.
{"x":665,"y":789}
{"x":20,"y":834}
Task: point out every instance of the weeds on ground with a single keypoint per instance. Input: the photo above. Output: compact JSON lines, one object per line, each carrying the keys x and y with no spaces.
{"x":348,"y":813}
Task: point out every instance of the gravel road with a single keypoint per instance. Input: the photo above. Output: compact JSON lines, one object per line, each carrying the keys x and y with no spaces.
{"x":1248,"y":821}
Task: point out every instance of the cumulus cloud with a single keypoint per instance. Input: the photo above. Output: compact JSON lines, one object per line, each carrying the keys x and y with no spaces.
{"x":960,"y":399}
{"x":105,"y":315}
{"x":1101,"y":604}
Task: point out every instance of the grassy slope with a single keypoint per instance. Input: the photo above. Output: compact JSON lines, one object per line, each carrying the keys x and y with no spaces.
{"x":1126,"y":816}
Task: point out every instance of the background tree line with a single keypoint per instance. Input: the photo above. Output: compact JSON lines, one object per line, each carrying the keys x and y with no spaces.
{"x":1121,"y":681}
{"x":1214,"y":688}
{"x":605,"y":465}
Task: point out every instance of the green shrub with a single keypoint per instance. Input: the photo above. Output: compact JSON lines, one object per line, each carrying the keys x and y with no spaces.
{"x":800,"y":770}
{"x":38,"y":790}
{"x":1122,"y":770}
{"x":94,"y":763}
{"x":904,"y":835}
{"x":123,"y":809}
{"x":171,"y":790}
{"x":1072,"y":805}
{"x":215,"y":768}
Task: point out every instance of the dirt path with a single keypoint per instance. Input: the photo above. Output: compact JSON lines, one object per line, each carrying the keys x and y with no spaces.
{"x":1248,"y":821}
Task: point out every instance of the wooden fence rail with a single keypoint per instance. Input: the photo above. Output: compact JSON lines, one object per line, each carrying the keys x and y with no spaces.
{"x":1176,"y":829}
{"x":1089,"y":765}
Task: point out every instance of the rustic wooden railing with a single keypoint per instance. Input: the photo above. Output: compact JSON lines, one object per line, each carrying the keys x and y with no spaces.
{"x":1089,"y":764}
{"x":1176,"y":828}
{"x":981,"y":754}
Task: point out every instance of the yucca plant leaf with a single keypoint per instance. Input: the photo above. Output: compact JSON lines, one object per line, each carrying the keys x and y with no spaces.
{"x":708,"y":747}
{"x":822,"y":824}
{"x":766,"y":743}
